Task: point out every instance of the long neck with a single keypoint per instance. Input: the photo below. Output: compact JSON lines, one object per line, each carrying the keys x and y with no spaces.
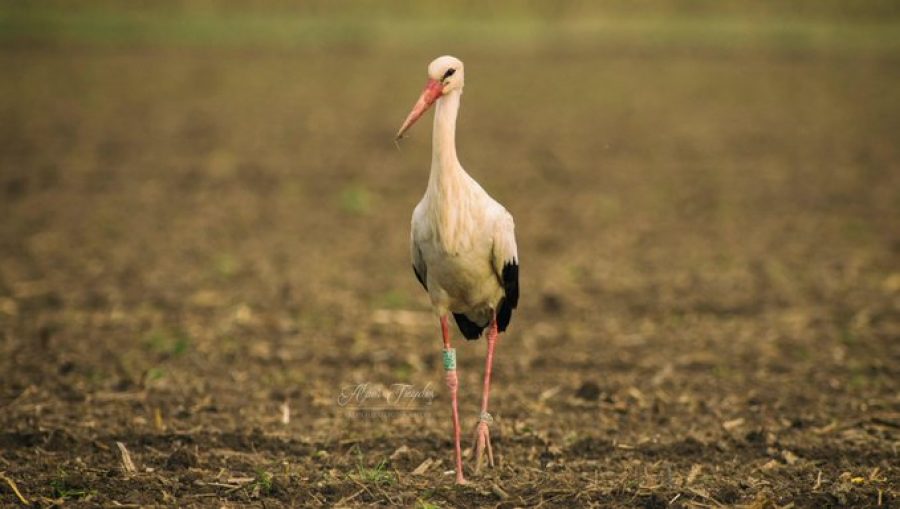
{"x":444,"y":164}
{"x":447,"y":184}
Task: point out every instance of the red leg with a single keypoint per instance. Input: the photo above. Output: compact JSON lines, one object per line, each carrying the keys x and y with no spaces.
{"x":453,"y":384}
{"x":482,"y":431}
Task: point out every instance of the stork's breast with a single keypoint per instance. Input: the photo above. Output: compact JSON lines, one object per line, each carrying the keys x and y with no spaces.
{"x":467,"y":277}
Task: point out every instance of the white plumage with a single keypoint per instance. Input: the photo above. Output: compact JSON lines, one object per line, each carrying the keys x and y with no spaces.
{"x":462,"y":240}
{"x":463,"y":247}
{"x":460,"y":243}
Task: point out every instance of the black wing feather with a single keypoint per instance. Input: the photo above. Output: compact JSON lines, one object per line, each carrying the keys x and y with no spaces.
{"x":510,"y":282}
{"x":470,"y":330}
{"x":420,"y":277}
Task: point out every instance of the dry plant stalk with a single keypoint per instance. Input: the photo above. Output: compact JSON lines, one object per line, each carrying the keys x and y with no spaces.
{"x":127,"y":464}
{"x":12,"y":485}
{"x":285,"y":413}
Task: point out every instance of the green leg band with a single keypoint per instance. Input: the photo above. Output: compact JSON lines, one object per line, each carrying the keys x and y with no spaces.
{"x":450,"y":359}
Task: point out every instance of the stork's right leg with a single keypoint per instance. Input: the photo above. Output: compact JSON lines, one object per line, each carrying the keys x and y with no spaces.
{"x":482,"y":430}
{"x":453,"y":384}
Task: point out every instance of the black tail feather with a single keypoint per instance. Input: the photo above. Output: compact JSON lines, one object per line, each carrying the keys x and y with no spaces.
{"x":504,"y":315}
{"x":510,"y":278}
{"x":510,"y":281}
{"x":470,"y":330}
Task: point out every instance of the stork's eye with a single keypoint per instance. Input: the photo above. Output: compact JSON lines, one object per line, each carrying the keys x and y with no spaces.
{"x":448,"y":73}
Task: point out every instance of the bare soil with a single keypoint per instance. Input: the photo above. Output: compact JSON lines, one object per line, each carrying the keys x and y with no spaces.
{"x":197,"y":242}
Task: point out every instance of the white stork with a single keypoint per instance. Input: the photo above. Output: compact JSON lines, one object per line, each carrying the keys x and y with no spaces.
{"x":463,"y":247}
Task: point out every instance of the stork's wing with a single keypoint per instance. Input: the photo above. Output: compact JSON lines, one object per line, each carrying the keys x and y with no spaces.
{"x":418,"y":263}
{"x":506,"y":266}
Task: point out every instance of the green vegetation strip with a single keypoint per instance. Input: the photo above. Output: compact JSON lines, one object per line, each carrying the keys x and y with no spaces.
{"x":293,"y":29}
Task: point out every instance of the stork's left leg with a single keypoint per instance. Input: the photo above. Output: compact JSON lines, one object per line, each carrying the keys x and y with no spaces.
{"x":482,"y":430}
{"x":453,"y":384}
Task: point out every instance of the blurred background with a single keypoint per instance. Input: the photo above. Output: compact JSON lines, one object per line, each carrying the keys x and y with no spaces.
{"x":205,"y":228}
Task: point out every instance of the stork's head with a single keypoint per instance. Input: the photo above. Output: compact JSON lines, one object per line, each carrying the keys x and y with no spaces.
{"x":445,"y":75}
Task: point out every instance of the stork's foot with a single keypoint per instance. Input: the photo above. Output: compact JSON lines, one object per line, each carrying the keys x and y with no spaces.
{"x":483,"y":441}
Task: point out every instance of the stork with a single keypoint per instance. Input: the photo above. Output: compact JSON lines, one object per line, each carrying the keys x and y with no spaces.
{"x":463,"y":248}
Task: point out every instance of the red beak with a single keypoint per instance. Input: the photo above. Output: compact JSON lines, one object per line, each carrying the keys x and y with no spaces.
{"x":432,"y":91}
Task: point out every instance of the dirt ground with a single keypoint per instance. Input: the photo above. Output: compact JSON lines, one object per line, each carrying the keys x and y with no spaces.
{"x":202,"y":249}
